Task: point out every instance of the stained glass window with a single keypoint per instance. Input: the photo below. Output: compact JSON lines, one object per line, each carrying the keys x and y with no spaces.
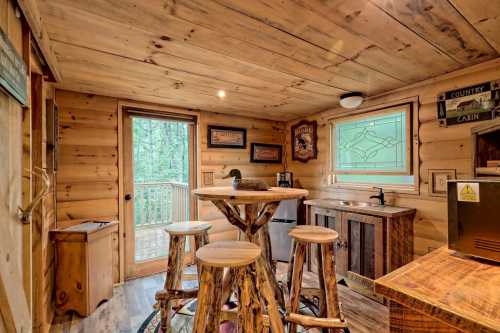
{"x":373,"y":144}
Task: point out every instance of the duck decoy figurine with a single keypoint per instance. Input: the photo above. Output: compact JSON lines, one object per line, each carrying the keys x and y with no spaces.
{"x":246,"y":184}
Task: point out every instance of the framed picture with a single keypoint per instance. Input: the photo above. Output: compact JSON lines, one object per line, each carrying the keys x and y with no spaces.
{"x":438,"y":181}
{"x":265,"y":153}
{"x":227,"y":137}
{"x":304,"y":141}
{"x":469,"y":104}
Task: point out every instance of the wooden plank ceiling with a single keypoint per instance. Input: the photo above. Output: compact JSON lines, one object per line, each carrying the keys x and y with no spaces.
{"x":276,"y":59}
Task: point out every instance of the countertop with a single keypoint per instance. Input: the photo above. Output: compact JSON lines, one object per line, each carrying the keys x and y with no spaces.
{"x":385,"y":211}
{"x":459,"y":291}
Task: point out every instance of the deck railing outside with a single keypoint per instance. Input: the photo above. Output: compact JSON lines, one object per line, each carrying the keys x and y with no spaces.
{"x":160,"y":203}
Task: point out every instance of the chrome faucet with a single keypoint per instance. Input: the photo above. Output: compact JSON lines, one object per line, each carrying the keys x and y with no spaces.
{"x":380,"y":196}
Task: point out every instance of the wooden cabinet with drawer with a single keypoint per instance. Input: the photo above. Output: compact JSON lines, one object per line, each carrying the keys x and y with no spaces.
{"x":373,"y":240}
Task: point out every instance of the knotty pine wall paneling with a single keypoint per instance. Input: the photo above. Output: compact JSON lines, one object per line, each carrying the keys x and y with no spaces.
{"x":87,"y":178}
{"x":15,"y":270}
{"x":439,"y":148}
{"x":22,"y":131}
{"x":220,"y":161}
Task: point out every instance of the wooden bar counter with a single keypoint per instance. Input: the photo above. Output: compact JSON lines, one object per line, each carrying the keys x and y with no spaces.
{"x":443,"y":292}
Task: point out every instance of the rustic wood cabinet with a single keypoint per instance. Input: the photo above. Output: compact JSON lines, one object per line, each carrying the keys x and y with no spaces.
{"x":84,"y":266}
{"x":373,"y":240}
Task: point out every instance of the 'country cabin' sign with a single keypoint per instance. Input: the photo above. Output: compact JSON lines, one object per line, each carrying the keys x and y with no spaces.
{"x":12,"y":70}
{"x":473,"y":103}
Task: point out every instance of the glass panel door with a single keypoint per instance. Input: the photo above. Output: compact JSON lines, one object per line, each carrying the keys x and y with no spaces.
{"x":161,"y":182}
{"x":158,"y":159}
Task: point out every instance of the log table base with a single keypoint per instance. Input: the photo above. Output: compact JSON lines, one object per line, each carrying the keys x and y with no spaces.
{"x":252,"y":221}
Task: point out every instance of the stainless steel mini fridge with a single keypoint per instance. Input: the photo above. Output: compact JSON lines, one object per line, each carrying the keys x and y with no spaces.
{"x":283,"y":220}
{"x":474,"y":217}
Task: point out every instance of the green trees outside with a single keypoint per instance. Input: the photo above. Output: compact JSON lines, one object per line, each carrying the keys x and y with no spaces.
{"x":161,"y":171}
{"x":160,"y":150}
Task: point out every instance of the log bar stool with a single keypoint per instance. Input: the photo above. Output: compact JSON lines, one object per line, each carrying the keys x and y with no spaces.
{"x":331,"y":317}
{"x":252,"y":284}
{"x":178,"y":233}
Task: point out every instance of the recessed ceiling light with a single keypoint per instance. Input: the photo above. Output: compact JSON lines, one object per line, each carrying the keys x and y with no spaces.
{"x":221,"y":93}
{"x":351,"y":100}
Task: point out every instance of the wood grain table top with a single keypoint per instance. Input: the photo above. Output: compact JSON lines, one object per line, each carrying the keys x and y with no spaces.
{"x":313,"y":234}
{"x":243,"y":197}
{"x":228,"y":253}
{"x":384,"y":211}
{"x":457,"y":290}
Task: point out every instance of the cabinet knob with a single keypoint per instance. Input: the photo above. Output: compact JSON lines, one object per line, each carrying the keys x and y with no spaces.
{"x":128,"y":197}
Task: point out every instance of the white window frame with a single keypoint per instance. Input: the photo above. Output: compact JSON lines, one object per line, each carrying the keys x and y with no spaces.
{"x":412,"y":146}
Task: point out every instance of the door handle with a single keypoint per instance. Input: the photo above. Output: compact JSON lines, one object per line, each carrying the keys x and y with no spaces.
{"x":128,"y":197}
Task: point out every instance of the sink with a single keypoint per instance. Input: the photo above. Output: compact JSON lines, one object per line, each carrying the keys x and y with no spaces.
{"x":358,"y":204}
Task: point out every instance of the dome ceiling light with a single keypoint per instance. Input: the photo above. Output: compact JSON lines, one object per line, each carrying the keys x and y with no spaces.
{"x":351,"y":100}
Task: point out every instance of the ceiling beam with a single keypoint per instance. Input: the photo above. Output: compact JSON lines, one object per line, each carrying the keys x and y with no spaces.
{"x":39,"y":33}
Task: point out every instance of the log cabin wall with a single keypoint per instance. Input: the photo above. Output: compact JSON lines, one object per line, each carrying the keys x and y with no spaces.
{"x":439,"y":148}
{"x":12,"y":233}
{"x":88,"y":173}
{"x":23,"y":137}
{"x":221,"y":161}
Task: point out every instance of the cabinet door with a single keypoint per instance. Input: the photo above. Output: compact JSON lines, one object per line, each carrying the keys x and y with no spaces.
{"x":363,"y":240}
{"x":332,"y":219}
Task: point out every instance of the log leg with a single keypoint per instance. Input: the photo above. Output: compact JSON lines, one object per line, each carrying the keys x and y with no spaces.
{"x":330,"y":280}
{"x":200,"y":240}
{"x":269,"y":297}
{"x":272,"y":280}
{"x":205,"y":290}
{"x":322,"y":301}
{"x":227,"y":284}
{"x":291,"y":260}
{"x":265,"y":245}
{"x":251,"y":211}
{"x":174,"y":275}
{"x":214,"y":311}
{"x":298,"y":267}
{"x":250,"y":318}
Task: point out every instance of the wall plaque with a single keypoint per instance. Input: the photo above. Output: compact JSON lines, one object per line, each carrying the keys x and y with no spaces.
{"x":12,"y":70}
{"x":469,"y":104}
{"x":304,"y":141}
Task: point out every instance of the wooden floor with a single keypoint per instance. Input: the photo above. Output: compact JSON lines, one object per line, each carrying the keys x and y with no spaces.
{"x":133,"y":301}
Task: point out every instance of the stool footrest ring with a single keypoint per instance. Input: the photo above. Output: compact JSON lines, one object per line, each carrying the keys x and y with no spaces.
{"x":308,"y":321}
{"x":163,"y":295}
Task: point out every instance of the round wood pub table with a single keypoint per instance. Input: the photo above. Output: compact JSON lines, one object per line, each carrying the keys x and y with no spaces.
{"x":259,"y":207}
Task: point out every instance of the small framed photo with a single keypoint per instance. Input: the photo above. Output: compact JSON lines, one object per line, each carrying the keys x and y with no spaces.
{"x":265,"y":153}
{"x":438,"y":181}
{"x":226,"y":137}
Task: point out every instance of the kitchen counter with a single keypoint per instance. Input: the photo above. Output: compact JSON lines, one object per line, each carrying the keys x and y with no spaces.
{"x":443,"y":292}
{"x":371,"y":209}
